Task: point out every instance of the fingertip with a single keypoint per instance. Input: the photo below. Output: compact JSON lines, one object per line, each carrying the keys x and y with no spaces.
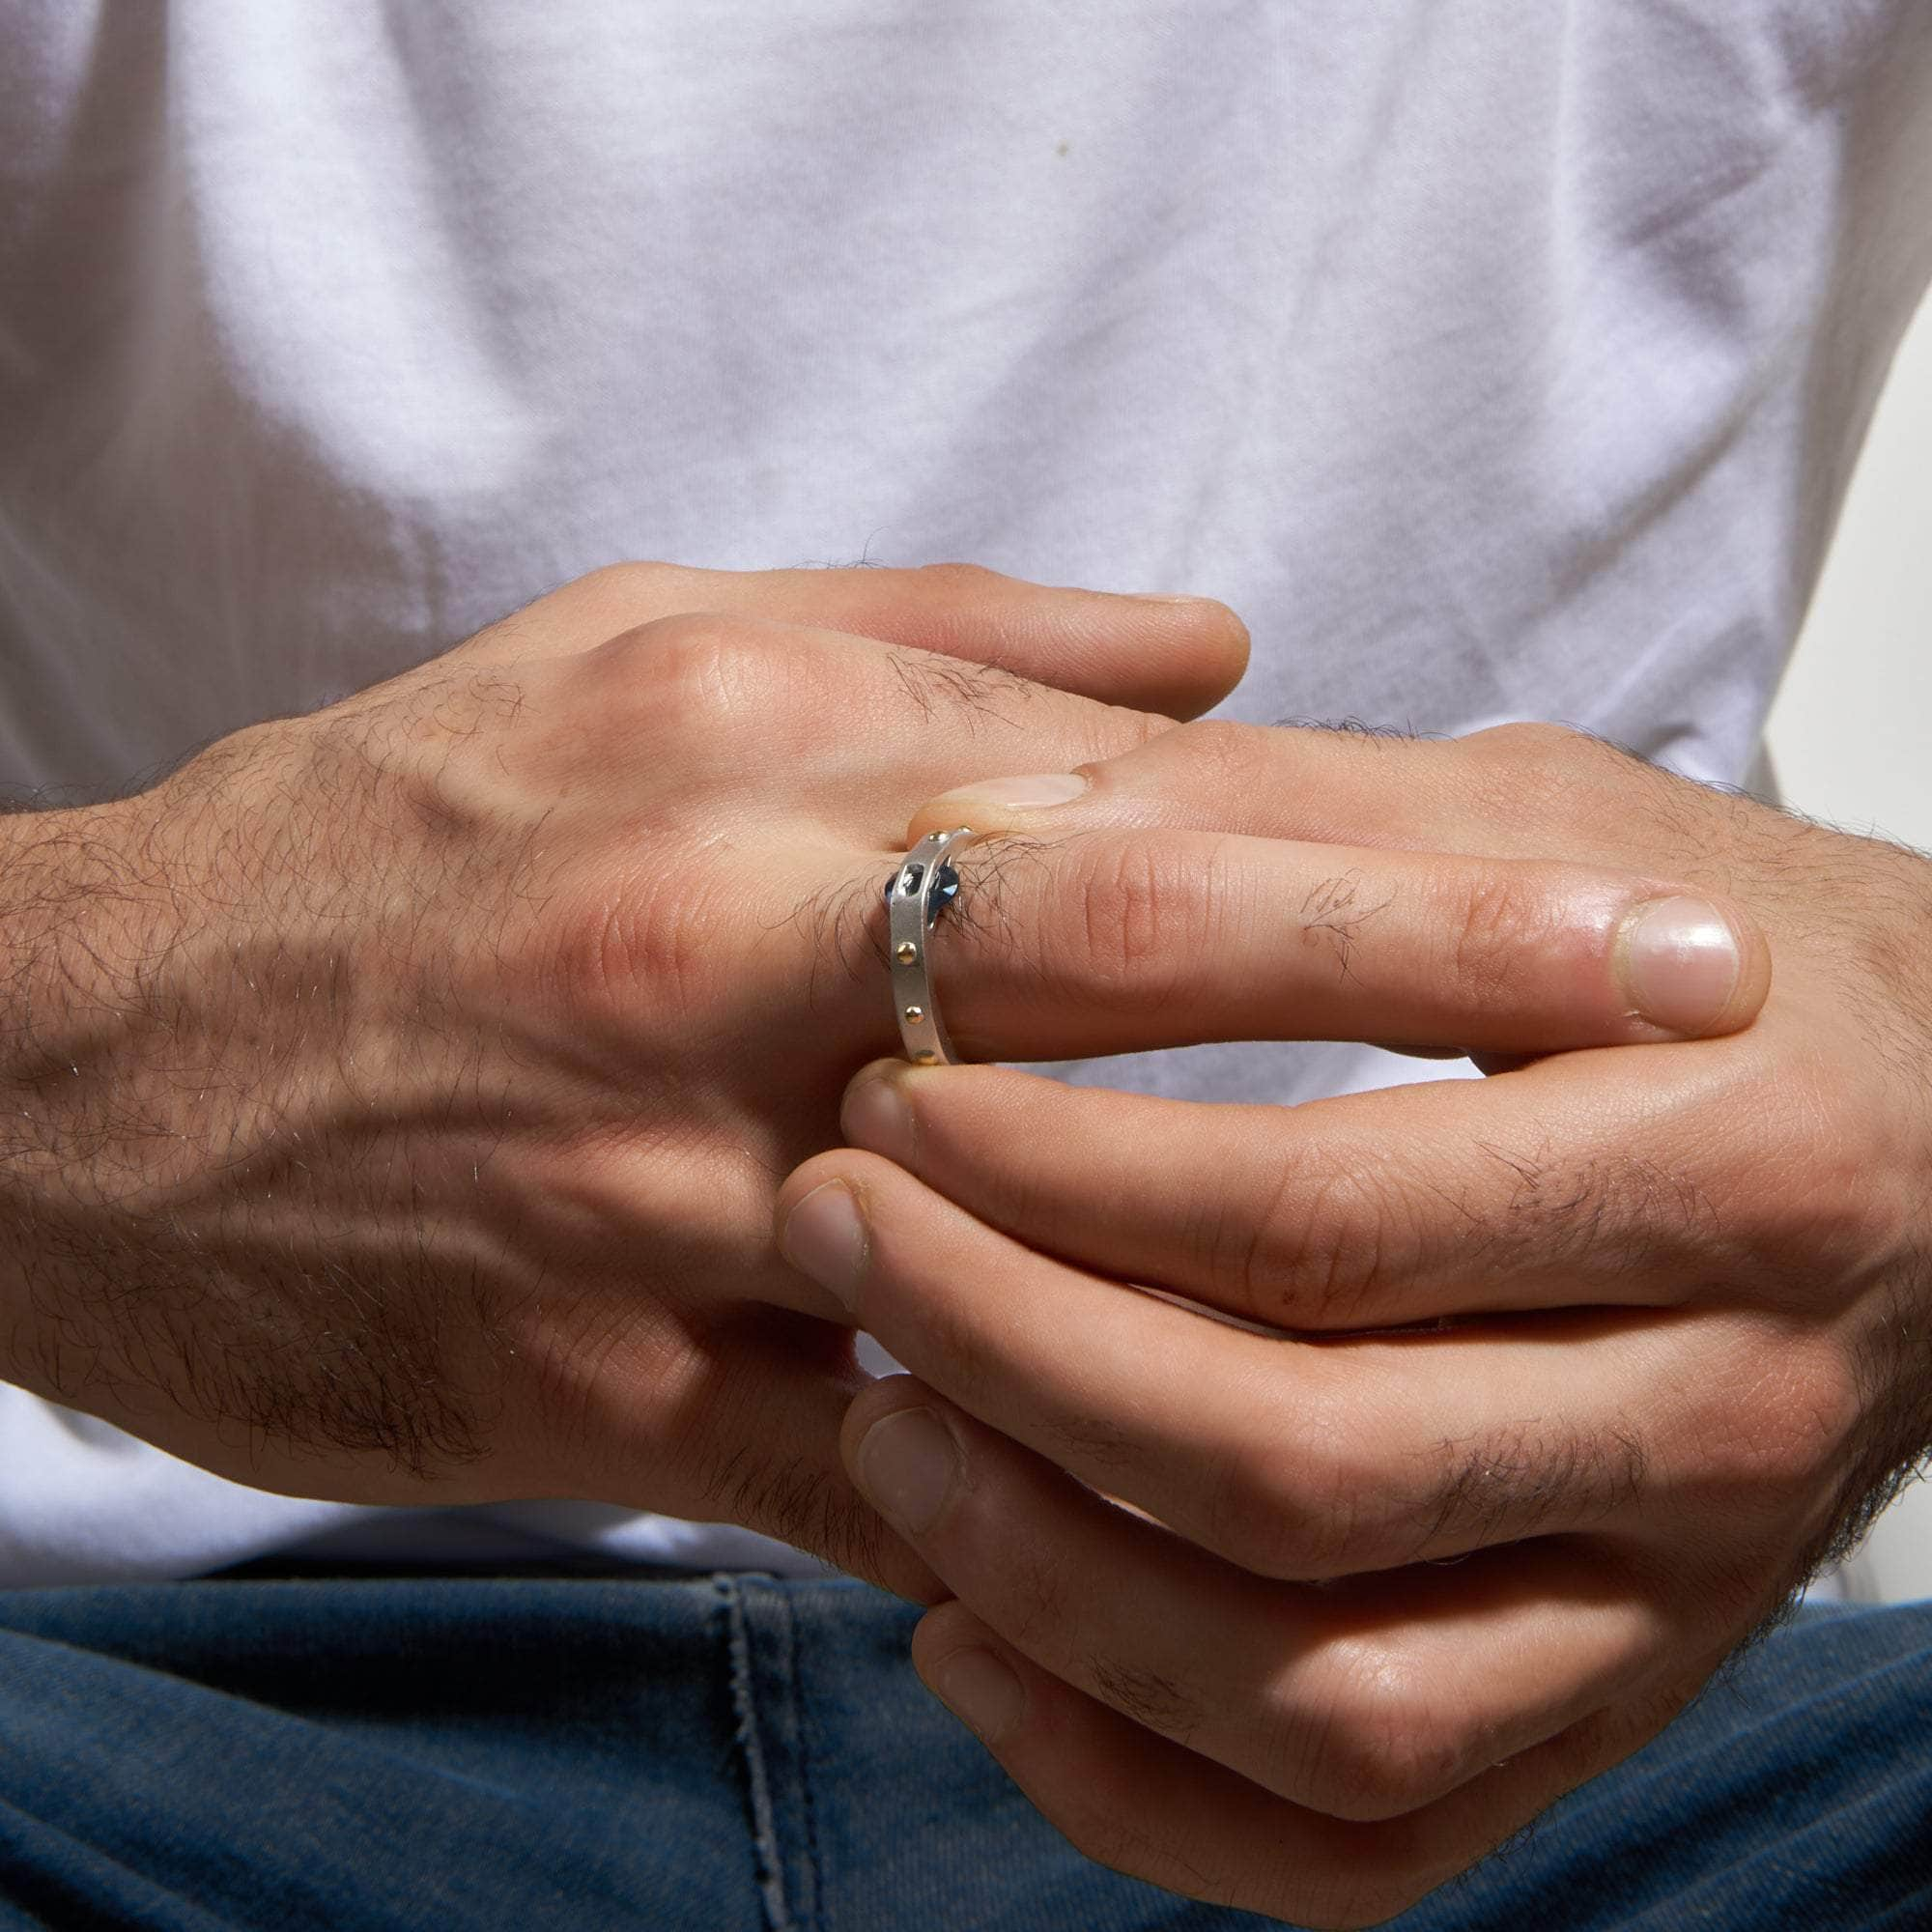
{"x":876,"y":1113}
{"x":1215,"y":661}
{"x":1693,"y":967}
{"x":1028,"y":801}
{"x":979,"y":1679}
{"x":1231,"y":646}
{"x":880,"y":1398}
{"x":826,"y":1235}
{"x":802,"y":1180}
{"x":877,"y":1554}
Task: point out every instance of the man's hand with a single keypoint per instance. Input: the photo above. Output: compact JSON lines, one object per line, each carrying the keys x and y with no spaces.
{"x":1612,"y":1349}
{"x":392,"y":1100}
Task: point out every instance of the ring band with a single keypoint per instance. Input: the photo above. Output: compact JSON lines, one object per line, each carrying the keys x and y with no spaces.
{"x":921,"y":889}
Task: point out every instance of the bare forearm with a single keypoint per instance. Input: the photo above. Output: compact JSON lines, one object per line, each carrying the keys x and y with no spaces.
{"x":78,"y":920}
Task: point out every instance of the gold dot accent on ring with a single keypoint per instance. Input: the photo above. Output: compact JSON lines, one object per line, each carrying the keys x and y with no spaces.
{"x":906,"y":952}
{"x":915,"y":1015}
{"x":926,"y":1057}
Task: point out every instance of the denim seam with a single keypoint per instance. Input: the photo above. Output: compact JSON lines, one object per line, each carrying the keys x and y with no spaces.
{"x":751,"y":1745}
{"x":794,"y":1652}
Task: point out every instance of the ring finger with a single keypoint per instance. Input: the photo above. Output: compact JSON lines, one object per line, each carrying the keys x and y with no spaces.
{"x":1292,"y":1459}
{"x":1147,"y":1805}
{"x":1363,"y":1699}
{"x":1117,"y":942}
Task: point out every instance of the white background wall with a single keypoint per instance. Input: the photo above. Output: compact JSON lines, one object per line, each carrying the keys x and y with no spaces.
{"x":1851,"y":736}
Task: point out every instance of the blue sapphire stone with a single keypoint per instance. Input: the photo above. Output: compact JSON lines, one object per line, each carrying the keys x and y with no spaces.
{"x":945,"y":890}
{"x":906,"y":881}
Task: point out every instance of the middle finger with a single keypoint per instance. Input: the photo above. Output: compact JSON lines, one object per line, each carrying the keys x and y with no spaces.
{"x":1368,"y":1211}
{"x":1290,"y":1458}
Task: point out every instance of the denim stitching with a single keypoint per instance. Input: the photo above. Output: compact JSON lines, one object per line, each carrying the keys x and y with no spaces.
{"x":764,"y":1827}
{"x":812,"y":1904}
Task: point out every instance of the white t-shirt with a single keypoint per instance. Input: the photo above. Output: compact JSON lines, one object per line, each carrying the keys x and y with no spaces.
{"x":1495,"y":359}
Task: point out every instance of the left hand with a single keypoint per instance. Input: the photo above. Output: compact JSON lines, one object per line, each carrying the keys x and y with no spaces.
{"x":1377,"y":1598}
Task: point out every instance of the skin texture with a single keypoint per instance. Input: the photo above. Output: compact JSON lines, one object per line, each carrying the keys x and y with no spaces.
{"x":395,"y":1099}
{"x":1570,"y":1376}
{"x":392,"y":1100}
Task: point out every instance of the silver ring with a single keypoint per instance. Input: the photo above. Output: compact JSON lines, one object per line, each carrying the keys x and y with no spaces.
{"x":923,"y":884}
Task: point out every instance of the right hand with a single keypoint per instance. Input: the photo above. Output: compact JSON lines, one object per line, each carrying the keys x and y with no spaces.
{"x":393,"y":1100}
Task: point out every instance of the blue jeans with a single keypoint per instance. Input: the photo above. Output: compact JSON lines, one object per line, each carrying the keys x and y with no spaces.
{"x":717,"y":1753}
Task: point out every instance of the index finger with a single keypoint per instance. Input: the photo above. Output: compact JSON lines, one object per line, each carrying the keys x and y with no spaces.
{"x":1173,"y":655}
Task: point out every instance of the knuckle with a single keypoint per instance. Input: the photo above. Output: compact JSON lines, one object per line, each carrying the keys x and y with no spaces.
{"x":1383,"y":1743}
{"x":1779,"y":1438}
{"x":1531,"y":745}
{"x":1232,"y":759}
{"x":1495,"y":937}
{"x":958,"y":577}
{"x":1010,"y":1198}
{"x":1278,"y":1508}
{"x":1524,"y":772}
{"x":1136,"y":920}
{"x":1117,"y":890}
{"x":1325,"y":1250}
{"x":701,"y":664}
{"x":617,"y":597}
{"x":1034,"y":1606}
{"x":692,"y":652}
{"x":1541,"y":774}
{"x":1813,"y":1207}
{"x":630,"y":580}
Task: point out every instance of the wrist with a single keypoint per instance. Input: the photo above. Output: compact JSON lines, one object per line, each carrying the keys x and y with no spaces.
{"x":79,"y":924}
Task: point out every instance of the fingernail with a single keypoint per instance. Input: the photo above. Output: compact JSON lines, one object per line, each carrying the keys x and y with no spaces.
{"x":825,"y":1238}
{"x":908,"y":1465}
{"x":1680,"y":963}
{"x":1032,"y":793}
{"x":878,"y":1118}
{"x":1166,"y":597}
{"x":982,"y":1692}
